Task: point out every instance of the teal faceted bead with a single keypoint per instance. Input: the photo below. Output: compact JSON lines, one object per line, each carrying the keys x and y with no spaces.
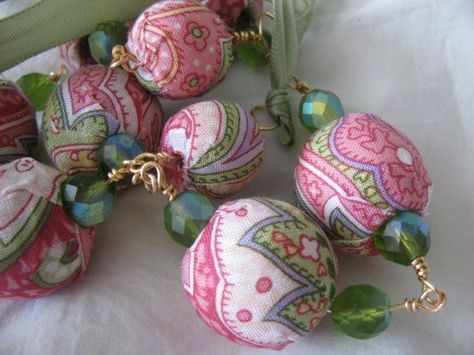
{"x":403,"y":238}
{"x":115,"y":150}
{"x":88,"y":198}
{"x":186,"y":216}
{"x":105,"y":37}
{"x":361,"y":311}
{"x":318,"y":108}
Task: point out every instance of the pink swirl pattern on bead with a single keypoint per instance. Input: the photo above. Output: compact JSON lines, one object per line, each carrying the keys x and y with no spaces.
{"x":41,"y":249}
{"x":183,"y":48}
{"x":356,"y":173}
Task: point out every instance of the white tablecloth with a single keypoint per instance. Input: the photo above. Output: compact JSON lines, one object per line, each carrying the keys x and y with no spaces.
{"x":411,"y":62}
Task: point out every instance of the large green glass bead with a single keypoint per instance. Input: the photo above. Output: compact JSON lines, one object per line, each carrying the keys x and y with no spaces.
{"x":104,"y":38}
{"x":318,"y":108}
{"x":186,"y":216}
{"x":87,"y":198}
{"x":37,"y":87}
{"x":403,"y":238}
{"x":115,"y":150}
{"x":361,"y":311}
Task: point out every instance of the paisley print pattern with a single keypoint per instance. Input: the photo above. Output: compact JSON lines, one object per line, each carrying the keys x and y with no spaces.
{"x":18,"y":132}
{"x":41,"y":249}
{"x":355,"y":174}
{"x":219,"y":145}
{"x":92,"y":104}
{"x":261,"y":273}
{"x":183,"y":48}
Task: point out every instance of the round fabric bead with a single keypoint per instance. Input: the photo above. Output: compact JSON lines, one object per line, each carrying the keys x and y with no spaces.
{"x":219,"y":145}
{"x":230,"y":10}
{"x":18,"y":132}
{"x":92,"y":104}
{"x":261,"y":273}
{"x":183,"y":48}
{"x":41,"y":249}
{"x":355,"y":174}
{"x":75,"y":54}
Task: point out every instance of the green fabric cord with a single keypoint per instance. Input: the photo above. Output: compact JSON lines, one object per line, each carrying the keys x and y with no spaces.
{"x":50,"y":23}
{"x":291,"y":19}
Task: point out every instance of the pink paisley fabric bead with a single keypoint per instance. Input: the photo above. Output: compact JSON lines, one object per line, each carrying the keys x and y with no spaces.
{"x":229,"y":10}
{"x":183,"y":48}
{"x":219,"y":146}
{"x":355,"y":174}
{"x":92,"y":104}
{"x":18,"y":132}
{"x":261,"y":273}
{"x":41,"y":249}
{"x":75,"y":54}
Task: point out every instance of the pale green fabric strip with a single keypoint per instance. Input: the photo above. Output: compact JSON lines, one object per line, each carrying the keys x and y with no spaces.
{"x":290,"y":23}
{"x":52,"y":22}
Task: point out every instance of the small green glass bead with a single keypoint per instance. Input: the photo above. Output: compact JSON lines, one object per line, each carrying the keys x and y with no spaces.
{"x":318,"y":108}
{"x":115,"y":150}
{"x":361,"y":311}
{"x":403,"y":238}
{"x":104,"y":38}
{"x":186,"y":216}
{"x":255,"y":54}
{"x":37,"y":87}
{"x":87,"y":198}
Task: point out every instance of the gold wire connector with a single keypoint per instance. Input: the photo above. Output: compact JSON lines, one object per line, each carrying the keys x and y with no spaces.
{"x":55,"y":75}
{"x":253,"y":112}
{"x":147,"y":169}
{"x":250,"y":35}
{"x":121,"y":58}
{"x":299,"y":85}
{"x":431,"y":299}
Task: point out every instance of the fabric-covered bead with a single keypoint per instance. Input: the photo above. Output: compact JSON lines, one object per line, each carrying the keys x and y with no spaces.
{"x":41,"y":249}
{"x":92,"y":104}
{"x":18,"y":132}
{"x":219,"y":145}
{"x":230,"y":10}
{"x":75,"y":54}
{"x":261,"y":273}
{"x":183,"y":48}
{"x":355,"y":174}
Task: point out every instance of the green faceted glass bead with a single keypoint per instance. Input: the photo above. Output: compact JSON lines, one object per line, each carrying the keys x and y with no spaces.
{"x":186,"y":216}
{"x":87,"y":198}
{"x":318,"y":108}
{"x":104,"y":38}
{"x":361,"y":311}
{"x":37,"y":87}
{"x":403,"y":238}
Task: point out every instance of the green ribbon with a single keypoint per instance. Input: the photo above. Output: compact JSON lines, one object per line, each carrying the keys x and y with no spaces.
{"x":50,"y":23}
{"x":291,"y":18}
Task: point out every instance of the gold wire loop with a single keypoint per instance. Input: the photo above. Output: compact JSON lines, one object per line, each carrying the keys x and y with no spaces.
{"x":253,"y":112}
{"x":431,"y":300}
{"x":299,"y":85}
{"x":121,"y":58}
{"x":148,"y":169}
{"x":250,"y":35}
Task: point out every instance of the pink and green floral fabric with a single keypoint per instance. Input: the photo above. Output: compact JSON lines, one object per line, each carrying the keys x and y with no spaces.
{"x":355,"y":174}
{"x":261,"y":273}
{"x":182,"y":47}
{"x":41,"y":249}
{"x":91,"y":104}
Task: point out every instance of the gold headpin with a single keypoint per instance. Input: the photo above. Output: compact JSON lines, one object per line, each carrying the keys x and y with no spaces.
{"x":121,"y":58}
{"x":431,"y":299}
{"x":147,"y":168}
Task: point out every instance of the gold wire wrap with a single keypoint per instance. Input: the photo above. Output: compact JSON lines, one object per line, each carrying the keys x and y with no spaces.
{"x":121,"y":57}
{"x":253,"y":112}
{"x":431,"y":299}
{"x":252,"y":36}
{"x":147,"y":168}
{"x":299,"y":85}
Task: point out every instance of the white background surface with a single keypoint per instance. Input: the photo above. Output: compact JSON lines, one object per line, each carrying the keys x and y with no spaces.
{"x":411,"y":62}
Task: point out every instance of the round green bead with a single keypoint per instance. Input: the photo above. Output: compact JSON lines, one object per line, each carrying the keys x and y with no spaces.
{"x":361,"y":311}
{"x":187,"y":215}
{"x":318,"y":108}
{"x":403,"y":238}
{"x":87,"y":198}
{"x":105,"y":37}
